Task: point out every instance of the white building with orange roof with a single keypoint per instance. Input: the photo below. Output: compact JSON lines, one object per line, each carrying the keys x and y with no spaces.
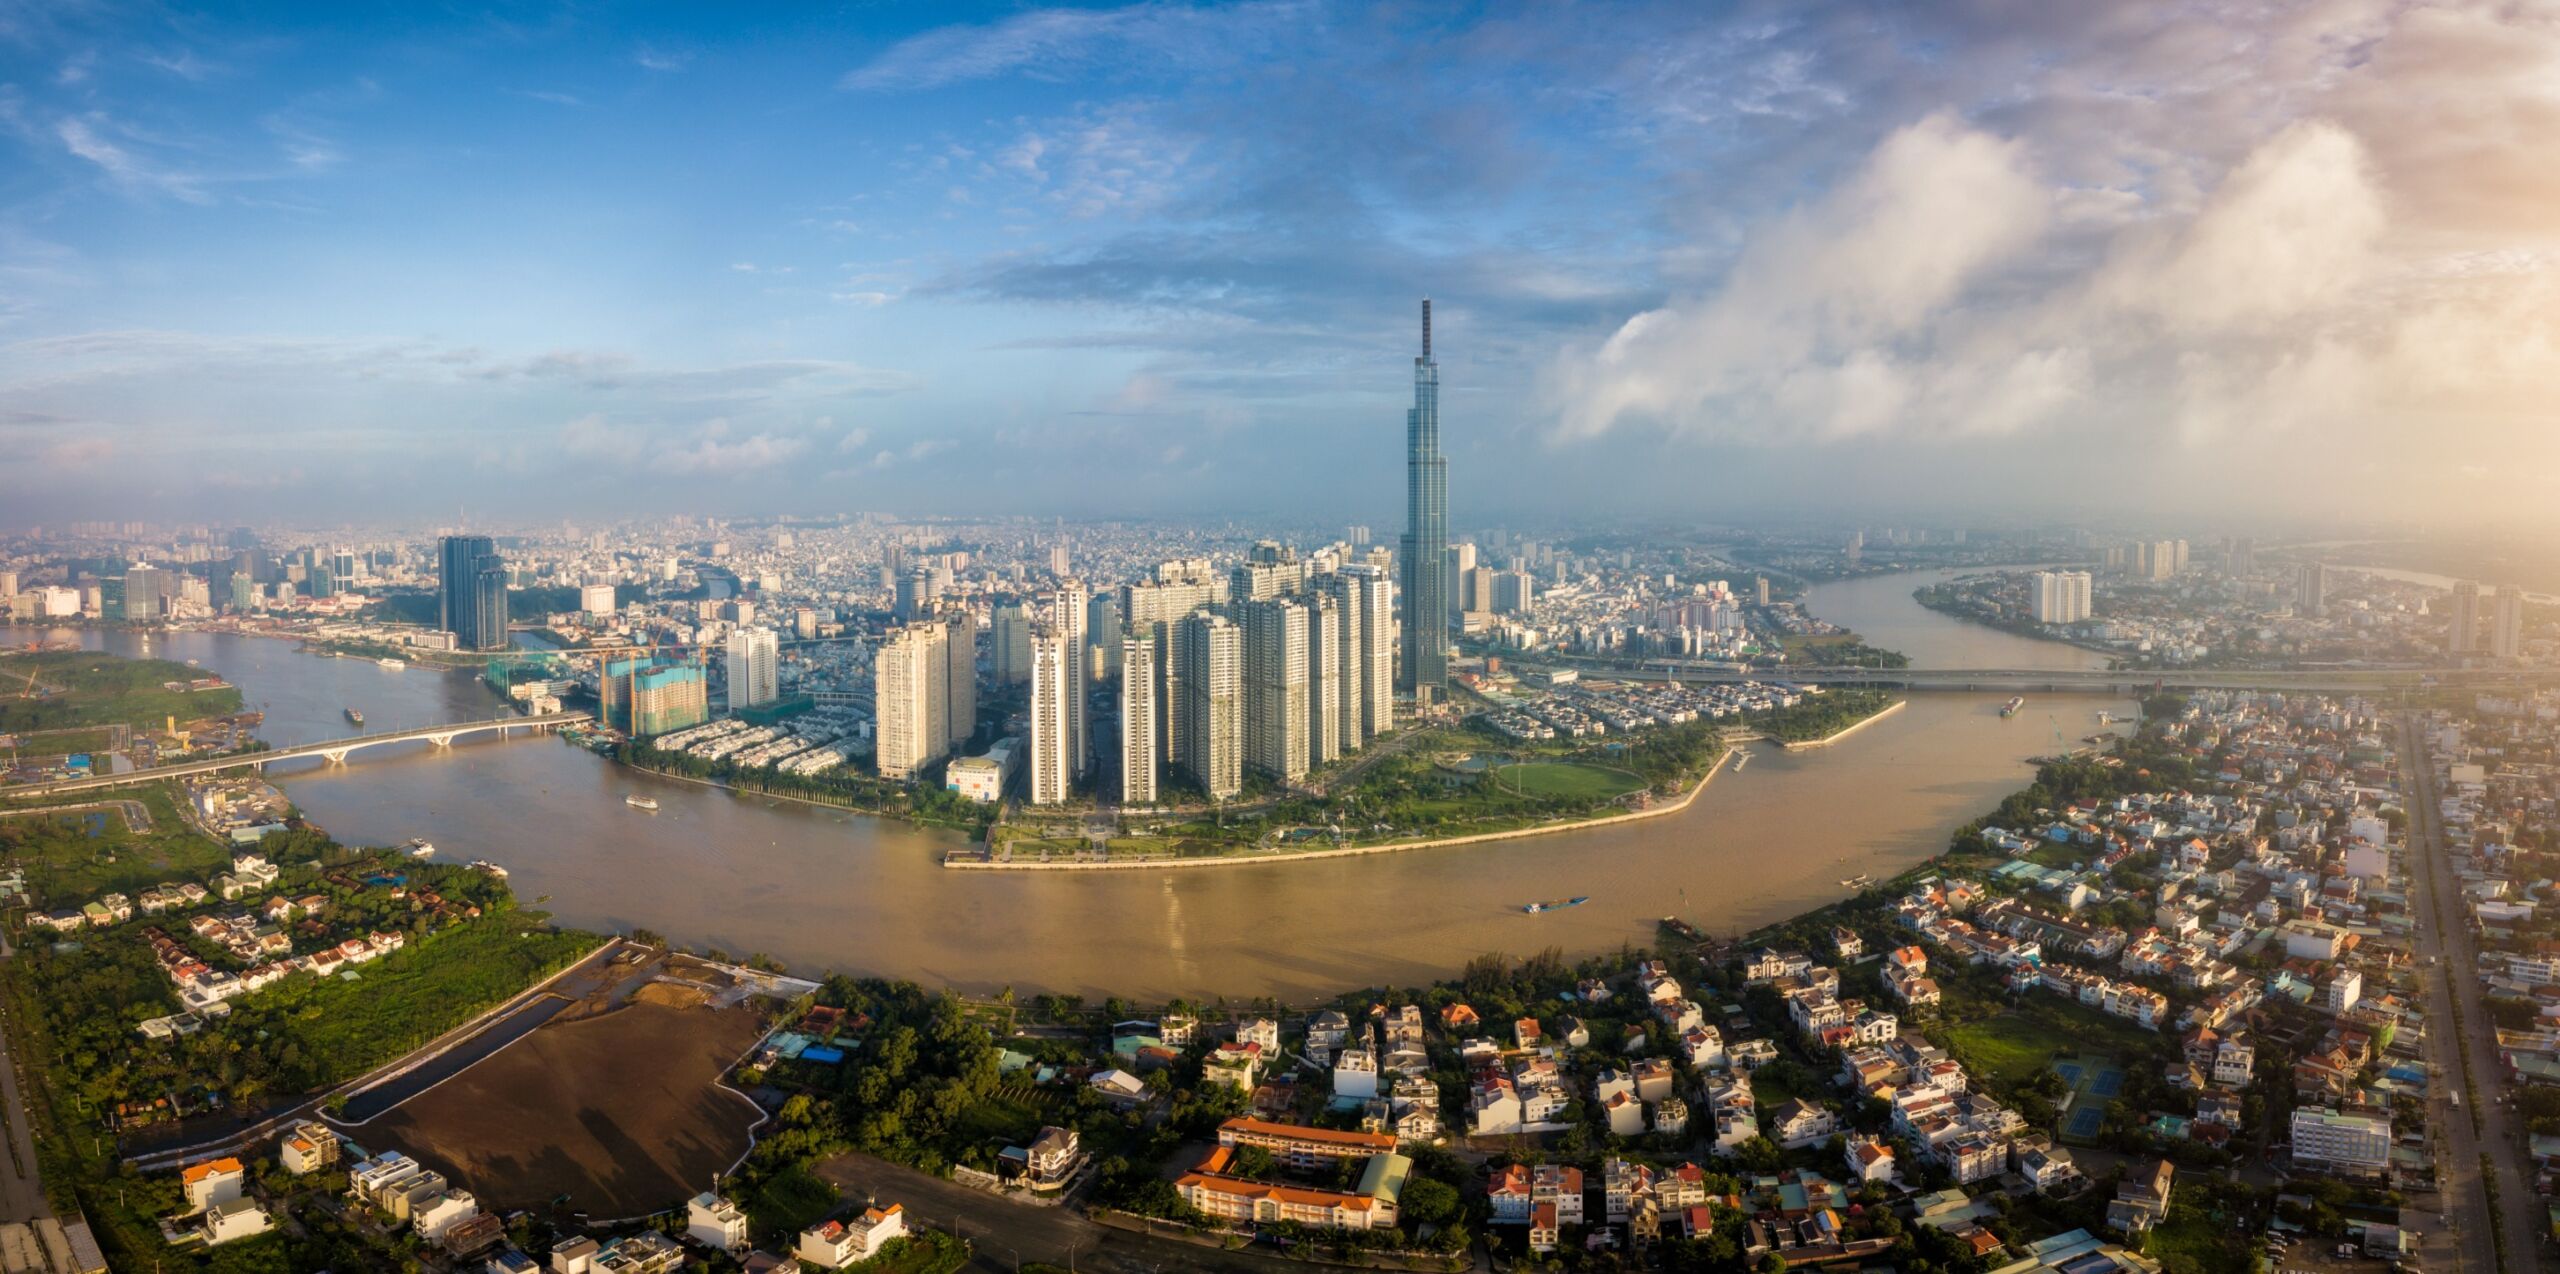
{"x":212,"y":1181}
{"x":833,"y":1245}
{"x":307,"y":1147}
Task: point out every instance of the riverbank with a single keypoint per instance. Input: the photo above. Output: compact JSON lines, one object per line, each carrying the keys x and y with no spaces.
{"x":2030,"y":631}
{"x":1808,"y":745}
{"x":1356,"y":851}
{"x":811,"y":801}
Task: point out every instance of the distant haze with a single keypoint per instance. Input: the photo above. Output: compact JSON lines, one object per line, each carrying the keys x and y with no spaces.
{"x":1975,"y":258}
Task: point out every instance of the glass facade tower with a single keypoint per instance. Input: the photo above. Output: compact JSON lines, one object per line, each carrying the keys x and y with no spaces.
{"x":472,"y":592}
{"x":1426,"y":533}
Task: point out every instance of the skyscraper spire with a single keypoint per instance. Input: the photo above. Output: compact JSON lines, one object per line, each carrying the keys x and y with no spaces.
{"x":1426,"y":329}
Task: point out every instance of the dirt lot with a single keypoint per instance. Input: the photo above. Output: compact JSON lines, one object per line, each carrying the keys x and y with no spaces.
{"x":616,"y":1109}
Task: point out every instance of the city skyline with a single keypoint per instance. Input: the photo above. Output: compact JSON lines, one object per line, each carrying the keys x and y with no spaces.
{"x":1077,"y":261}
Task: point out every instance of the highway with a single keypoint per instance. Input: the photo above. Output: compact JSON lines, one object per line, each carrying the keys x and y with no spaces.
{"x":2448,"y":959}
{"x":334,"y":749}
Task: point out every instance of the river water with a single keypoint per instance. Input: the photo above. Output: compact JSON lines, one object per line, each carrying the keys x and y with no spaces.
{"x":820,"y":889}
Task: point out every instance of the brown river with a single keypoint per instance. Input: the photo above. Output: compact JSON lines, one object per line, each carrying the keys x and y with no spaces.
{"x":821,"y":889}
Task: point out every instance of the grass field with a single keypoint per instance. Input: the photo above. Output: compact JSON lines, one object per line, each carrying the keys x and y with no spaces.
{"x":65,"y":865}
{"x":2209,"y":1230}
{"x":103,"y":689}
{"x":75,"y":740}
{"x":1566,"y":778}
{"x":2011,"y":1048}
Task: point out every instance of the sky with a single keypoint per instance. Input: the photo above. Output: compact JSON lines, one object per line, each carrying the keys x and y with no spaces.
{"x":1976,"y":260}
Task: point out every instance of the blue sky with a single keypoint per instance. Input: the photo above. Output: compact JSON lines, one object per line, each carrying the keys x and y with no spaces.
{"x":1690,"y":259}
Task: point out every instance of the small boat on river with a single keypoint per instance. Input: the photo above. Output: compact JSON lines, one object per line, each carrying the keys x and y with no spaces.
{"x":1557,"y":904}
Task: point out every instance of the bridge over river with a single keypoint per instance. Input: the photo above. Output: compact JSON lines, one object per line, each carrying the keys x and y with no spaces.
{"x":335,"y":750}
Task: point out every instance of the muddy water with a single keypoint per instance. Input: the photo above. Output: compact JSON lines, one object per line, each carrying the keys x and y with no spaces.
{"x":821,"y":889}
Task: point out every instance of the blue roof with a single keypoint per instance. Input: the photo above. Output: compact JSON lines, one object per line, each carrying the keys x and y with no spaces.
{"x":822,"y":1054}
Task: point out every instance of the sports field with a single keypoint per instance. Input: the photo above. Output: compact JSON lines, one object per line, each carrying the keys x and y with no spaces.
{"x":2095,"y":1081}
{"x":1565,"y":778}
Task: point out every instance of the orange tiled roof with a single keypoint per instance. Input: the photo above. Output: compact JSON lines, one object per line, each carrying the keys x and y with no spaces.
{"x":1243,"y":1189}
{"x":1301,"y":1132}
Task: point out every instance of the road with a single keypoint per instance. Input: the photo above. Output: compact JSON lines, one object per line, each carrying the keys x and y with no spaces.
{"x":2447,"y":957}
{"x":437,"y":1059}
{"x":1007,"y":1232}
{"x":21,"y":1186}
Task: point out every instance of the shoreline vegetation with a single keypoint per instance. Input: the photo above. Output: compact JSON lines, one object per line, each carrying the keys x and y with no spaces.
{"x":1453,"y":786}
{"x":1248,"y":858}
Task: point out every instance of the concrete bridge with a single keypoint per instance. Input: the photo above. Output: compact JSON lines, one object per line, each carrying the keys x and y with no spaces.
{"x":335,"y":750}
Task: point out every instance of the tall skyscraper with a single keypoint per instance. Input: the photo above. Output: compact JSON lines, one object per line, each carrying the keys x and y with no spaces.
{"x":1374,"y":649}
{"x":1063,"y":608}
{"x":2062,"y":597}
{"x":2506,"y":625}
{"x":753,"y":664}
{"x":960,"y":674}
{"x":472,"y":596}
{"x":146,"y":593}
{"x":1343,"y":589}
{"x":1053,"y":686}
{"x":1010,"y":645}
{"x":1324,"y":680}
{"x":1173,"y":662}
{"x":646,"y":696}
{"x":910,"y":686}
{"x":2311,"y":588}
{"x":1275,"y":688}
{"x":1426,"y":533}
{"x":1141,"y":752}
{"x":2463,"y":638}
{"x":1213,"y":709}
{"x":915,"y":595}
{"x":1462,"y":563}
{"x":1102,"y":628}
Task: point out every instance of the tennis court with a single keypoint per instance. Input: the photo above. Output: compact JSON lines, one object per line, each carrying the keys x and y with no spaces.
{"x":2095,"y":1081}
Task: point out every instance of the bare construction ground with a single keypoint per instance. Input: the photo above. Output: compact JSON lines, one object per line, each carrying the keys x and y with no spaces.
{"x":613,"y":1104}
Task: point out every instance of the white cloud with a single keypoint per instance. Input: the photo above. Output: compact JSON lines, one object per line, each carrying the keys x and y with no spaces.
{"x":88,"y":138}
{"x":1829,"y":322}
{"x":1051,"y":42}
{"x":1935,"y":291}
